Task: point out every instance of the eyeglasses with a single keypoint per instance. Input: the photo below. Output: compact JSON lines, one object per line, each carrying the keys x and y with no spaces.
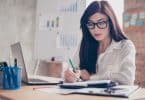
{"x":99,"y":24}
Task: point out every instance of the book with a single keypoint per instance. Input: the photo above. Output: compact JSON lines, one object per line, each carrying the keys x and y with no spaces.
{"x":88,"y":84}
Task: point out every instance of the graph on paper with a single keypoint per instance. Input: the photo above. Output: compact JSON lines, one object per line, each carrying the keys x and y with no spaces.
{"x":71,"y":7}
{"x":68,"y":41}
{"x":53,"y":23}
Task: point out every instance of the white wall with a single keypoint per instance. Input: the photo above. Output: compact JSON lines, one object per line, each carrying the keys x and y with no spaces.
{"x":17,"y":23}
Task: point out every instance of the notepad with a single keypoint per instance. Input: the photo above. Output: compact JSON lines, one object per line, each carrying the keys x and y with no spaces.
{"x":88,"y":84}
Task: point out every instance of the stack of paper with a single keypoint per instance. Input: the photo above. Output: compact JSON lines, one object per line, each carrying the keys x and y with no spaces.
{"x":84,"y":88}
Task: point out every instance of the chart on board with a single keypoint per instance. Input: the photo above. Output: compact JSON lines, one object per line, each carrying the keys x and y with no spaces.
{"x":58,"y":28}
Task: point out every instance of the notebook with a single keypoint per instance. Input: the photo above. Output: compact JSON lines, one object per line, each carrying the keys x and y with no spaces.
{"x":17,"y":53}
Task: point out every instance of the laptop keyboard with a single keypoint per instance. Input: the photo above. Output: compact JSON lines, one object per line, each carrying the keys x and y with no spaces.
{"x":36,"y":80}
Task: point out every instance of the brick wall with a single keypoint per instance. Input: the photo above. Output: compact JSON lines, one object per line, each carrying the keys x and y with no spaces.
{"x":134,"y":27}
{"x":129,"y":4}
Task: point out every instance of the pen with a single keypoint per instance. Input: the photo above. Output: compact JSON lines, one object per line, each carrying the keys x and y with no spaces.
{"x":74,"y":69}
{"x":5,"y":64}
{"x":14,"y":73}
{"x":15,"y":62}
{"x":70,"y":61}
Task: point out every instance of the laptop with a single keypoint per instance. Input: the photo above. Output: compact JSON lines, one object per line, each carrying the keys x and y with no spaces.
{"x":17,"y":53}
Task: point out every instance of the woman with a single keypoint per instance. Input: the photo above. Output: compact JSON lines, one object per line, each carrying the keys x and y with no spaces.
{"x":105,"y":52}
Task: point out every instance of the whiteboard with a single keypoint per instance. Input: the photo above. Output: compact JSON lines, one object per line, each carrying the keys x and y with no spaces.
{"x":58,"y":28}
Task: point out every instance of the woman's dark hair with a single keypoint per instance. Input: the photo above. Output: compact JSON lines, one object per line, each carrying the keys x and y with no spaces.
{"x":89,"y":46}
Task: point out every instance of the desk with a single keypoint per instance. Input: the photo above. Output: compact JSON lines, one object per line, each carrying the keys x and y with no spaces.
{"x":27,"y":93}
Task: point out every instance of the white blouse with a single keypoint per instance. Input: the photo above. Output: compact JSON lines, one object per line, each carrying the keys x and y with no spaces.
{"x":117,"y":63}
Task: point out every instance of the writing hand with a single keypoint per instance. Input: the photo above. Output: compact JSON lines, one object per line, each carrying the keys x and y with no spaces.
{"x":71,"y":76}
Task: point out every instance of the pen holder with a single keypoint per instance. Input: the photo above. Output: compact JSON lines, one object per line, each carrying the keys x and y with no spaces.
{"x":11,"y":78}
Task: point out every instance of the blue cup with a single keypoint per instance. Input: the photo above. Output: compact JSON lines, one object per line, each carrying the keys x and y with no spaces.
{"x":11,"y":78}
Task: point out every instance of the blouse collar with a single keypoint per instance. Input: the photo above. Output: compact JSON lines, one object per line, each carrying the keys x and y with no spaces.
{"x":114,"y":45}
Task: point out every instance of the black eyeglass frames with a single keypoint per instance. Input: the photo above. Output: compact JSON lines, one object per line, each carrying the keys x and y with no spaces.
{"x":100,"y":24}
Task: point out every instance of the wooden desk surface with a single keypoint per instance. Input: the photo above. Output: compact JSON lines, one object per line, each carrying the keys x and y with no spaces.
{"x":28,"y":93}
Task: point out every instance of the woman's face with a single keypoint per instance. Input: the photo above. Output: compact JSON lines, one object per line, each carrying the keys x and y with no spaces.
{"x":98,"y":26}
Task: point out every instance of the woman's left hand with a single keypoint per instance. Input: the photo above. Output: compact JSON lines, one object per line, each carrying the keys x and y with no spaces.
{"x":85,"y":75}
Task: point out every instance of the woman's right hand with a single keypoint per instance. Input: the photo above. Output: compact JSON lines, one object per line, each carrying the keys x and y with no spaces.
{"x":71,"y":76}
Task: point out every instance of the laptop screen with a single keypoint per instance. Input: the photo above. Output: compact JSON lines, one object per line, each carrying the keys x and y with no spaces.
{"x":17,"y":53}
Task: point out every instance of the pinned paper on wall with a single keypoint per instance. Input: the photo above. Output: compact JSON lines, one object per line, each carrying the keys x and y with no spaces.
{"x":142,"y":15}
{"x":134,"y":16}
{"x":126,"y":24}
{"x":140,"y":22}
{"x":126,"y":17}
{"x":132,"y":22}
